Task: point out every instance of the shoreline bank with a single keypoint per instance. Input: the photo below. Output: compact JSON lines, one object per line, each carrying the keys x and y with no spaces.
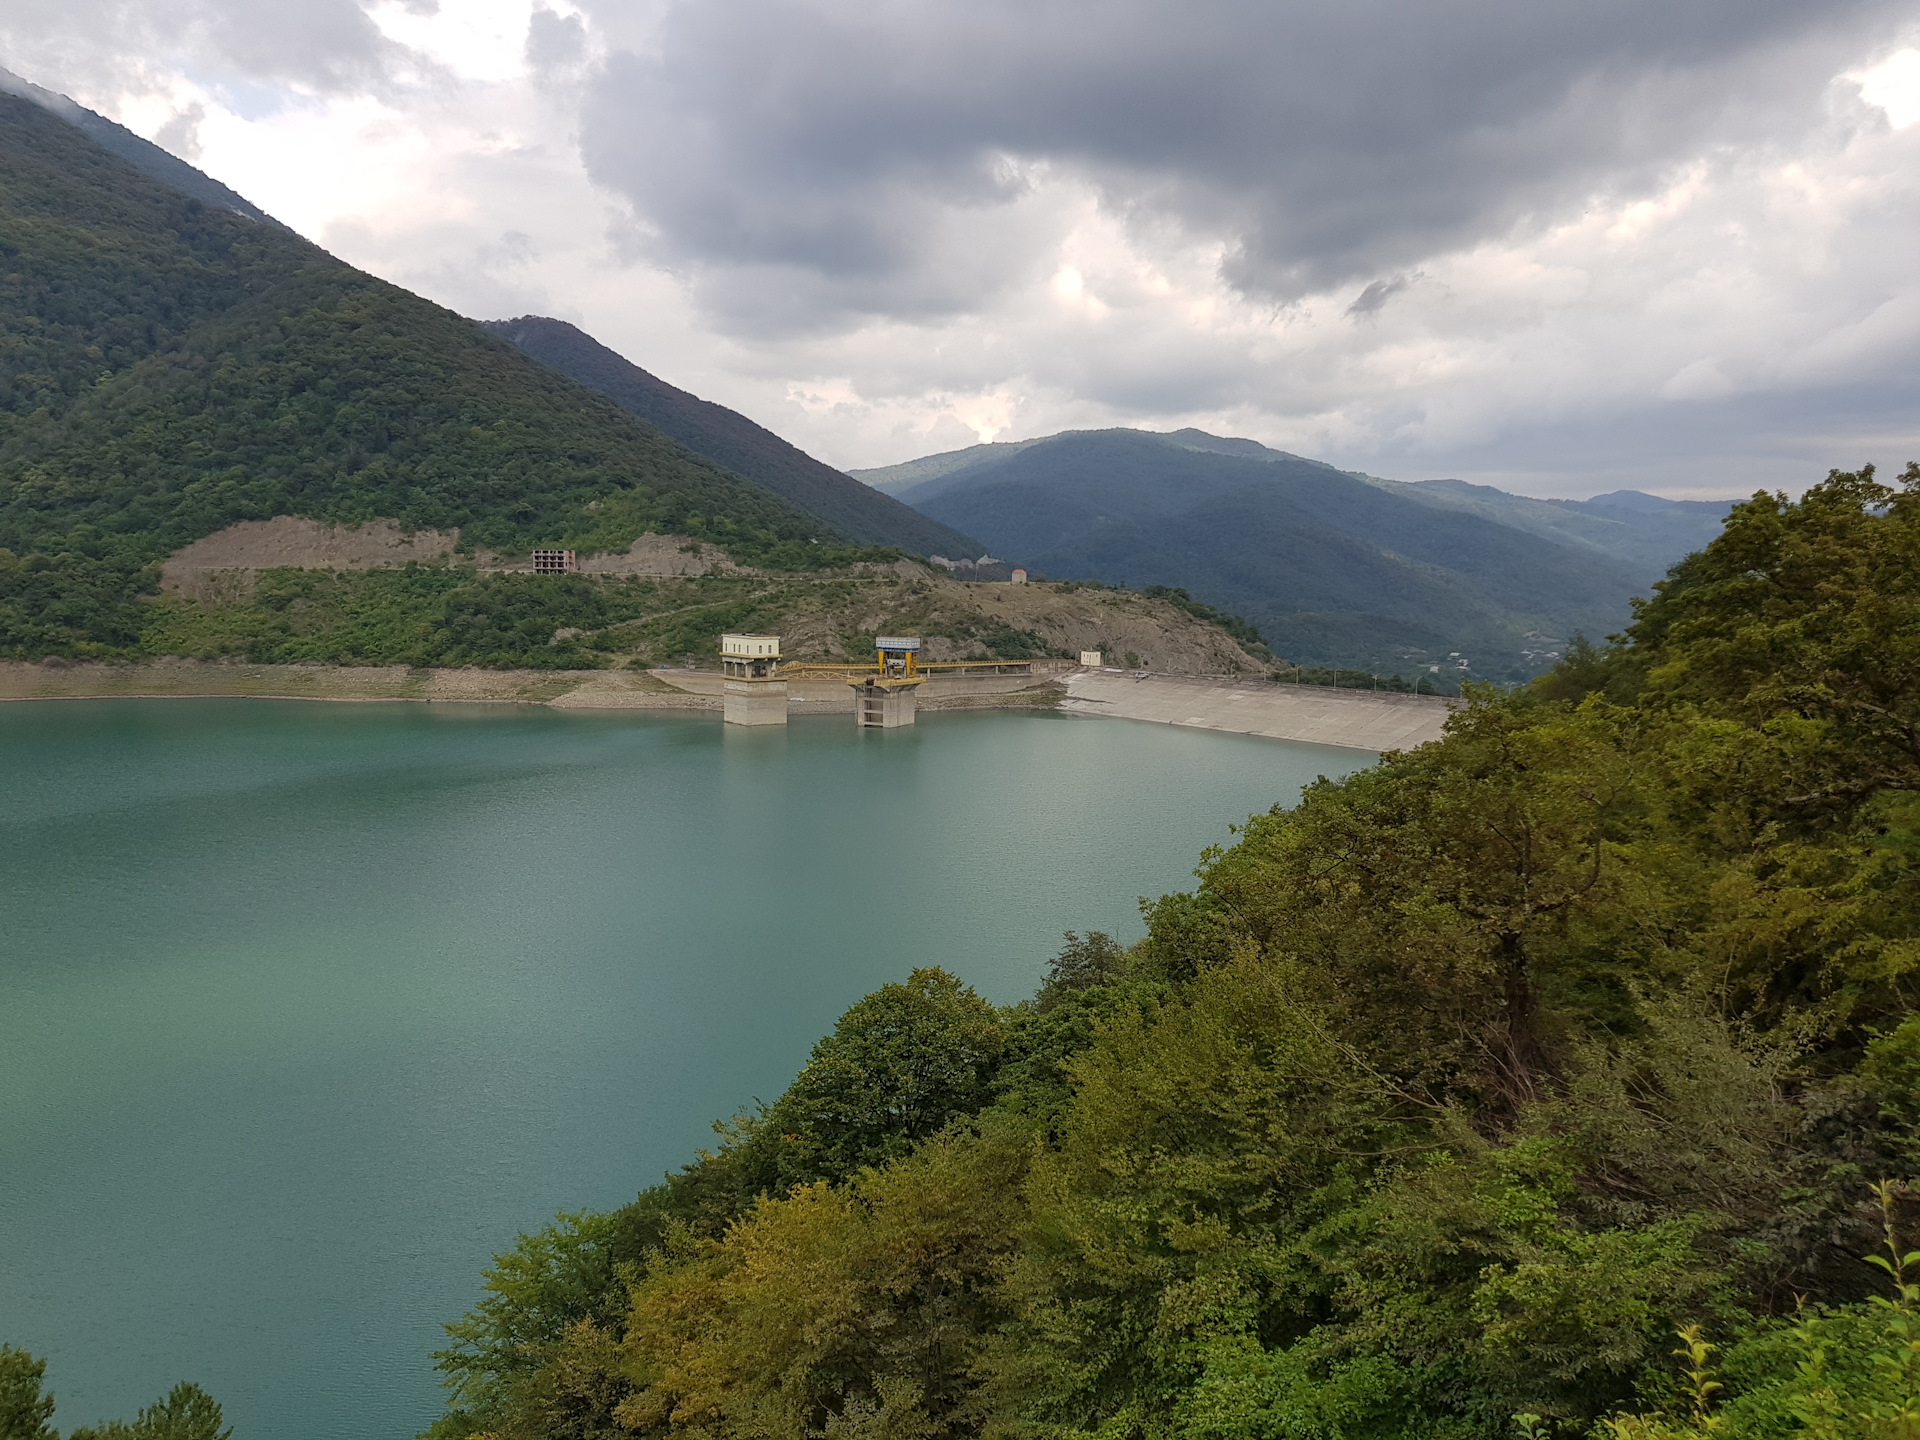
{"x":1348,"y":719}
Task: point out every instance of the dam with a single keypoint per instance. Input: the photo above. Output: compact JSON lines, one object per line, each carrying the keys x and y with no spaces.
{"x":758,"y":689}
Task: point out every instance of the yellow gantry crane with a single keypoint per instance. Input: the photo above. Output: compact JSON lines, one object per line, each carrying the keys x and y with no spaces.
{"x":885,"y":698}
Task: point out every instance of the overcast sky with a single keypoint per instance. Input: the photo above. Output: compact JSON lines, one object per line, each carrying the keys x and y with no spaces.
{"x":1549,"y":245}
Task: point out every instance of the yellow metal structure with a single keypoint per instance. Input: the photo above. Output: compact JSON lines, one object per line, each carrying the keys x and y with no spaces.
{"x":802,"y":668}
{"x":883,"y":696}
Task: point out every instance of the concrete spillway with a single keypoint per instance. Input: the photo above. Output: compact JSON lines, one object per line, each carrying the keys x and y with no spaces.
{"x":1358,"y":719}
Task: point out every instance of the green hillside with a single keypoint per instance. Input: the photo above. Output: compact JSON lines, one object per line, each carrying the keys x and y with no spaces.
{"x":168,"y":368}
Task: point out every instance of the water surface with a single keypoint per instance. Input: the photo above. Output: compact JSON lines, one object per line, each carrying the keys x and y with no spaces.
{"x":306,"y":1010}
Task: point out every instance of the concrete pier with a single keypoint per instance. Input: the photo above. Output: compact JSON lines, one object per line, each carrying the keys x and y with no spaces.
{"x":883,"y":706}
{"x":755,"y":702}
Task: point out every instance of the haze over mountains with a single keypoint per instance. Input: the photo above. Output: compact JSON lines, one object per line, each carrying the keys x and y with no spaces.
{"x":1334,"y":567}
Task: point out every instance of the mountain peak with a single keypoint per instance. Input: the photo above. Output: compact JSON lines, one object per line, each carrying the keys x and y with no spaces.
{"x":145,"y":156}
{"x":1637,"y":501}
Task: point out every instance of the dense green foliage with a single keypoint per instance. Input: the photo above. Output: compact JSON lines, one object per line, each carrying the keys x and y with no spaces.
{"x":1438,"y":1108}
{"x":26,"y":1411}
{"x":421,"y":615}
{"x":440,"y":615}
{"x":167,"y":369}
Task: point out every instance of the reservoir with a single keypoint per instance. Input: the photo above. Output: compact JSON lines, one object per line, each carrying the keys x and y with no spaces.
{"x":306,"y":1010}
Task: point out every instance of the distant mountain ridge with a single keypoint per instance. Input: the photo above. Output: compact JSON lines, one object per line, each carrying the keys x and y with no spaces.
{"x":731,"y":439}
{"x":1334,"y":566}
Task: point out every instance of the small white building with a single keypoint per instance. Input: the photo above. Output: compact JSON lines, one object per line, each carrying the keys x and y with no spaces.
{"x":749,"y":647}
{"x":1092,"y":659}
{"x":752,"y":696}
{"x":1019,"y":576}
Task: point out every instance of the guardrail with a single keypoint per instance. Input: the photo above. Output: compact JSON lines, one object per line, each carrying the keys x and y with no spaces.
{"x":803,"y":668}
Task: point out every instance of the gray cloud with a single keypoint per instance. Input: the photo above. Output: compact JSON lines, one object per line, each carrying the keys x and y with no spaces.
{"x":324,"y":46}
{"x":1587,"y":247}
{"x":555,"y":43}
{"x":181,"y":134}
{"x":826,"y":147}
{"x":1371,"y":299}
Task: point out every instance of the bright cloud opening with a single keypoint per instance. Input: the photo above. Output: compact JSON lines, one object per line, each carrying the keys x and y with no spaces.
{"x":480,"y":40}
{"x":1893,"y":85}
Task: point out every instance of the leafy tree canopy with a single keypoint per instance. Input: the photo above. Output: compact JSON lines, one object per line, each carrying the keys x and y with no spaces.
{"x":184,"y":1413}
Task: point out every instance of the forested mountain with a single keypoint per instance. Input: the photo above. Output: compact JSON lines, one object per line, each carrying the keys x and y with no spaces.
{"x":1554,"y":1081}
{"x":1332,"y":566}
{"x":168,"y":367}
{"x":731,"y":439}
{"x":1329,"y":567}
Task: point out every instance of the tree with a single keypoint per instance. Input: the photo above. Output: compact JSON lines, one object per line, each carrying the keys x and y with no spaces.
{"x":898,"y":1066}
{"x":185,"y":1413}
{"x":867,"y":1308}
{"x":1440,"y":897}
{"x":24,"y":1411}
{"x":1801,"y":620}
{"x":1081,"y":965}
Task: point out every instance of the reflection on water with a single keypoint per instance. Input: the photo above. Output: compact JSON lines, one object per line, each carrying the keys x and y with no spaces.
{"x":309,"y":1008}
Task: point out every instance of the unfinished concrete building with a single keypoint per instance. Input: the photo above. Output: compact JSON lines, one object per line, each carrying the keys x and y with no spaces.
{"x":555,"y":562}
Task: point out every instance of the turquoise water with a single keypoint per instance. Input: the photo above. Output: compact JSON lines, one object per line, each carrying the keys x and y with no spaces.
{"x":306,"y":1010}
